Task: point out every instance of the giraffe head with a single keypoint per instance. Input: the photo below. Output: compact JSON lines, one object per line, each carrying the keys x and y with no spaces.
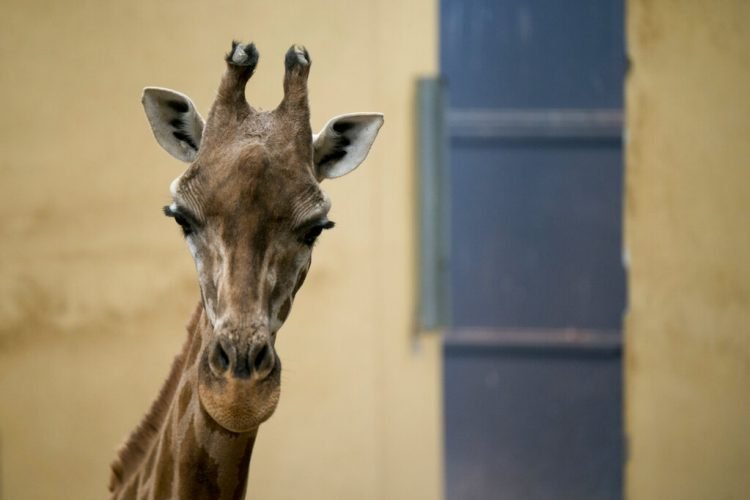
{"x":251,"y":207}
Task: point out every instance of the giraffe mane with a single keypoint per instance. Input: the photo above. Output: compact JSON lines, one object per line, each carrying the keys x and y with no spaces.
{"x":134,"y":449}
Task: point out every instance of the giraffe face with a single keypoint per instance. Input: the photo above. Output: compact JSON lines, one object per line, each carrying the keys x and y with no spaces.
{"x":250,"y":222}
{"x":251,"y":207}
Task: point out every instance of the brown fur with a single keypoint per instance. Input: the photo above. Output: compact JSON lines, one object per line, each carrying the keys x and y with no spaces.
{"x":251,"y":195}
{"x":132,"y":452}
{"x":251,"y":192}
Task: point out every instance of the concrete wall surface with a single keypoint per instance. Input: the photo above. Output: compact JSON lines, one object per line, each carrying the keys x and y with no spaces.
{"x":96,"y":285}
{"x":688,"y":245}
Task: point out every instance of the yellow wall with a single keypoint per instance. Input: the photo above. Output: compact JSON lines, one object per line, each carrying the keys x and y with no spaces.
{"x":688,"y":240}
{"x":95,"y":285}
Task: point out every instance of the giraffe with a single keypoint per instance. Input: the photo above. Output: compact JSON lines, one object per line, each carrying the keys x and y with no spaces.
{"x":250,"y":208}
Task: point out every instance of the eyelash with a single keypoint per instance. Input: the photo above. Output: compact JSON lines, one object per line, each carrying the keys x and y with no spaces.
{"x":187,"y":228}
{"x":309,"y":238}
{"x":311,"y":235}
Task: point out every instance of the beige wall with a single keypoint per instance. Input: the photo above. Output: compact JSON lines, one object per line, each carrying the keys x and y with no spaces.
{"x":688,"y":240}
{"x":95,"y":285}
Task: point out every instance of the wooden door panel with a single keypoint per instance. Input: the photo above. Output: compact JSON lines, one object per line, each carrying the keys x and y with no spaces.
{"x":532,"y":425}
{"x":536,"y":240}
{"x":532,"y":357}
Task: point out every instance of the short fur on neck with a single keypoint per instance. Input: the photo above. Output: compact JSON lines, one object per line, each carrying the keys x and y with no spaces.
{"x":132,"y":452}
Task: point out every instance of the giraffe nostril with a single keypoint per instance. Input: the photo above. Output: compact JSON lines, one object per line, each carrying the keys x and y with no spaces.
{"x":223,"y":357}
{"x":219,"y":359}
{"x":260,"y":357}
{"x":263,"y":361}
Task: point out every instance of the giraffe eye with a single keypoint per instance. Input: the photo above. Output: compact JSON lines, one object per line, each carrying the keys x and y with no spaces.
{"x":312,"y":233}
{"x":183,"y":221}
{"x":187,"y":229}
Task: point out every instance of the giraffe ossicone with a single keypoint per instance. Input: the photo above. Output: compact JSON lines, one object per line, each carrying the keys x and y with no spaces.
{"x":250,"y":207}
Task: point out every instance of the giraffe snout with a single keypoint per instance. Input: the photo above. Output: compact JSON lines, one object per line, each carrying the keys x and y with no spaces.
{"x":239,"y":380}
{"x":242,"y":360}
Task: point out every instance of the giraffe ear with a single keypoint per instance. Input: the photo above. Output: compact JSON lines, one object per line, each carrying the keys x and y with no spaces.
{"x":344,"y":143}
{"x":176,"y":124}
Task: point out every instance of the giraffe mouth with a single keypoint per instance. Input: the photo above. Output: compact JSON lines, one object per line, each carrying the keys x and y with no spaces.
{"x":238,"y":398}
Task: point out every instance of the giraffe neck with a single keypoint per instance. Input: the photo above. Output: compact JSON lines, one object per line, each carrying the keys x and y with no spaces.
{"x":189,"y":455}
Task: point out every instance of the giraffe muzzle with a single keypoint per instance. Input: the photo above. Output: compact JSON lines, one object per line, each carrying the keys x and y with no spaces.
{"x":239,"y":381}
{"x":241,"y":360}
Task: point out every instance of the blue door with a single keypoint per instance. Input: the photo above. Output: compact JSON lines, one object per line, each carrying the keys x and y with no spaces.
{"x":532,"y":355}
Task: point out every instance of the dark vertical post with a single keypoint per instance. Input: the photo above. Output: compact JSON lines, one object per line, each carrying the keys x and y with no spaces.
{"x":434,"y":208}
